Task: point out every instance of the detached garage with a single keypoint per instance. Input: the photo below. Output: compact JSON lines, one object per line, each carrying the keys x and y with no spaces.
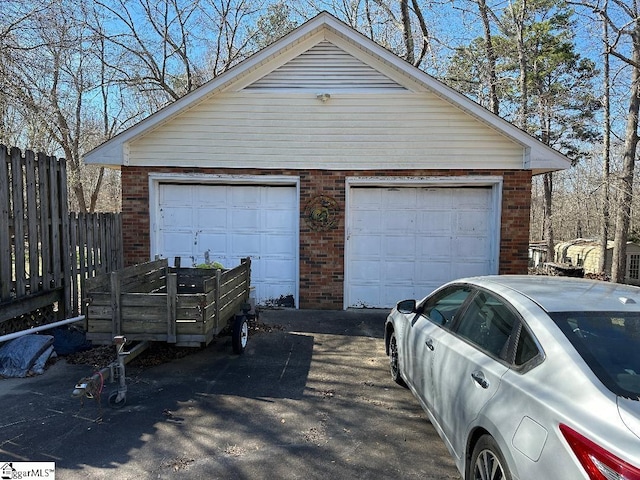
{"x":349,"y":177}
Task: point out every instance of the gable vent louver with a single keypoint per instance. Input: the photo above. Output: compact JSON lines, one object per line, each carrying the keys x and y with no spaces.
{"x":325,"y":67}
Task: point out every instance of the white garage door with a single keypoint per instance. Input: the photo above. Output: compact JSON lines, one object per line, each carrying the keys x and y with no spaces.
{"x":405,"y":242}
{"x":225,"y":223}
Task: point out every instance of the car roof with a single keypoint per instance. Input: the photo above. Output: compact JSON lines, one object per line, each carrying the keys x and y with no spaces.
{"x":564,"y":294}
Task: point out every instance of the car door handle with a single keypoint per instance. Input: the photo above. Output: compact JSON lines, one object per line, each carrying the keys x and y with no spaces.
{"x":478,"y":377}
{"x":429,"y":344}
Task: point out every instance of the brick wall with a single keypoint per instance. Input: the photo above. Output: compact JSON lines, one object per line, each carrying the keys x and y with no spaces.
{"x":322,"y":252}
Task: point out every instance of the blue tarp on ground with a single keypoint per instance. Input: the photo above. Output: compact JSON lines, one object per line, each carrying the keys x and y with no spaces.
{"x":28,"y":355}
{"x":25,"y":354}
{"x":69,"y":339}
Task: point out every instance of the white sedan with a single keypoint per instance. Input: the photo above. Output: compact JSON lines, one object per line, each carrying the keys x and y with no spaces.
{"x":526,"y":377}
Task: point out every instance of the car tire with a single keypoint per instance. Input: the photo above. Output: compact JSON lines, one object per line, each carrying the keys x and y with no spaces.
{"x":240,"y":334}
{"x":394,"y":363}
{"x":487,"y":461}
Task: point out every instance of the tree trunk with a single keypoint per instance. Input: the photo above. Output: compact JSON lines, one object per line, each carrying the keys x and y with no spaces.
{"x":494,"y":105}
{"x":548,"y":224}
{"x":518,"y":18}
{"x":606,"y":153}
{"x":406,"y":25}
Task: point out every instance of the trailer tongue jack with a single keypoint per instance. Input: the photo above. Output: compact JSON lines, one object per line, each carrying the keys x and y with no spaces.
{"x":91,"y":387}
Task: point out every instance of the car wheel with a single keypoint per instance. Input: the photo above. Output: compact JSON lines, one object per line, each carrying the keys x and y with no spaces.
{"x":487,"y":462}
{"x":394,"y":364}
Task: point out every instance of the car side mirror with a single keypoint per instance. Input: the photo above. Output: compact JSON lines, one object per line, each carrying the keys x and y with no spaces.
{"x":406,"y":306}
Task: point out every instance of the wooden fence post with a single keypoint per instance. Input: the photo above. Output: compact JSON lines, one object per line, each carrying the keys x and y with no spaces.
{"x":67,"y":257}
{"x":5,"y":237}
{"x":54,"y":203}
{"x":32,"y":222}
{"x":18,"y":222}
{"x":45,"y":227}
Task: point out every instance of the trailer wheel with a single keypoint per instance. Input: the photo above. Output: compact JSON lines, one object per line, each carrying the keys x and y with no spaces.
{"x":113,"y":400}
{"x":240,"y":334}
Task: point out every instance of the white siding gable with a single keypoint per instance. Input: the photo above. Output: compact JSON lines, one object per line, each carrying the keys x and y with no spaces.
{"x":349,"y":131}
{"x":368,"y":121}
{"x":325,"y":96}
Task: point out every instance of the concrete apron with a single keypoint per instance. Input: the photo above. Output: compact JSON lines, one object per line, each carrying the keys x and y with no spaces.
{"x":310,"y":399}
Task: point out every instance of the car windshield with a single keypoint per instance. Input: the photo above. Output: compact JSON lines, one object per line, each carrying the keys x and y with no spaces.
{"x":609,"y":343}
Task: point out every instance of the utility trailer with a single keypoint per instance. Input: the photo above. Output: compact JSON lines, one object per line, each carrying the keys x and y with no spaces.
{"x":181,"y":306}
{"x":152,"y":302}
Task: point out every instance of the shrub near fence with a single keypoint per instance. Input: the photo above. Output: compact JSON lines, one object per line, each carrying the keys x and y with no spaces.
{"x":46,"y":252}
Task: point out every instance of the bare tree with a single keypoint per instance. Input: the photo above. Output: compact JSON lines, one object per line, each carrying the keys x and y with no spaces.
{"x":14,"y":21}
{"x":485,"y":14}
{"x":406,"y":12}
{"x":625,"y":26}
{"x":606,"y":146}
{"x":152,"y":45}
{"x":74,"y":75}
{"x":165,"y":49}
{"x":49,"y":81}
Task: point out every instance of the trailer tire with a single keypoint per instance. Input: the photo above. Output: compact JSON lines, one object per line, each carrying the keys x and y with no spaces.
{"x":240,"y":334}
{"x":113,"y":403}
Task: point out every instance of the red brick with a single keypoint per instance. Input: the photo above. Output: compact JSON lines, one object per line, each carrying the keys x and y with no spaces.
{"x":322,"y":253}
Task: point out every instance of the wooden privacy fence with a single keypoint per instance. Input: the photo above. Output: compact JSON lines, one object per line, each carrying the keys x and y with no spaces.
{"x":46,"y":253}
{"x":95,"y":241}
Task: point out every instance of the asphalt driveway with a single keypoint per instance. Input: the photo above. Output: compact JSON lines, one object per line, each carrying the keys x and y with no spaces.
{"x":312,"y":398}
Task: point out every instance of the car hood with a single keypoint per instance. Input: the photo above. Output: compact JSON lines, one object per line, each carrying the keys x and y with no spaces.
{"x":629,"y":410}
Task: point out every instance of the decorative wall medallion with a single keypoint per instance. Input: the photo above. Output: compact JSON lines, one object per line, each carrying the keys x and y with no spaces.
{"x":321,"y":213}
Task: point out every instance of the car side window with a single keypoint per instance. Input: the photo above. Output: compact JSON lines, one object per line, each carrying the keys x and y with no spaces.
{"x":526,"y":349}
{"x":442,"y":307}
{"x":488,"y":323}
